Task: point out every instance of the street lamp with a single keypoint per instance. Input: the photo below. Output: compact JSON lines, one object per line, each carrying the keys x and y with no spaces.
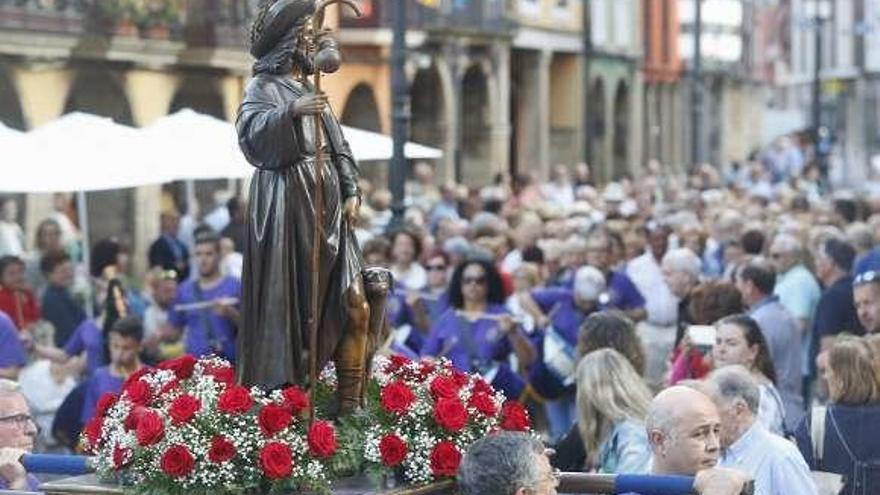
{"x":819,"y":12}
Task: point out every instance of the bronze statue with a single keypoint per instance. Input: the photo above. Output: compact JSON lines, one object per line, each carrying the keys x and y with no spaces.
{"x":301,"y":254}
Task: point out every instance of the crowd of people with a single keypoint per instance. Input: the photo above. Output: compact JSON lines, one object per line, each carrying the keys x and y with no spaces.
{"x":715,"y":323}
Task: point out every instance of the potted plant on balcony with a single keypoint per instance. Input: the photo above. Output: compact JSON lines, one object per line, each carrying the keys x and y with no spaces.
{"x":112,"y":17}
{"x":156,"y":18}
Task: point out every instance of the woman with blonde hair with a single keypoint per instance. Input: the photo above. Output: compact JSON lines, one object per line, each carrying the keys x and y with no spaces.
{"x":612,"y":401}
{"x":842,"y":438}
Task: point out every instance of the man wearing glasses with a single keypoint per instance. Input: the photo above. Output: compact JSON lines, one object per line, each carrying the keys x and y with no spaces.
{"x":18,"y":432}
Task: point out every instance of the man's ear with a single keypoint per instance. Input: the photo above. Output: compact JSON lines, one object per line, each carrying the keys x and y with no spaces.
{"x":658,"y":440}
{"x":521,"y":491}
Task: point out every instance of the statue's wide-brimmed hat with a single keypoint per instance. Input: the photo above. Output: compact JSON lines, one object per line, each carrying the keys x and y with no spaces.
{"x":280,"y":17}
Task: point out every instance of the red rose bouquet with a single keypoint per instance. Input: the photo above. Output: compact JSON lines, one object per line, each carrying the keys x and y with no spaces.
{"x":185,"y":426}
{"x":425,"y":414}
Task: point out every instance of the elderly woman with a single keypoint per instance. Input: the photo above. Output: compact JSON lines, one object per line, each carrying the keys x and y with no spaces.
{"x":681,"y":271}
{"x":850,"y":441}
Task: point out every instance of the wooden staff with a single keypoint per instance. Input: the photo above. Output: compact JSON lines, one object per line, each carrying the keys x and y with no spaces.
{"x":316,"y":28}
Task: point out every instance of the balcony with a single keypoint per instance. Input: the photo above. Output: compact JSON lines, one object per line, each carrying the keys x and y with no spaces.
{"x":486,"y":17}
{"x":197,"y":23}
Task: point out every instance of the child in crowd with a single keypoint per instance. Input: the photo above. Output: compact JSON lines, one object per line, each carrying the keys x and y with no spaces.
{"x":125,"y":342}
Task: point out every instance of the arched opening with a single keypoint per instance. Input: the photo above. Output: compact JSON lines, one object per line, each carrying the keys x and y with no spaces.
{"x":200,"y":94}
{"x":475,"y":124}
{"x":621,"y":131}
{"x":361,"y":110}
{"x":100,"y":92}
{"x":11,"y":116}
{"x":429,"y":124}
{"x":596,"y":122}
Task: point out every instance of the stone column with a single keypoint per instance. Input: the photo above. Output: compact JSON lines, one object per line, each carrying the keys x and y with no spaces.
{"x":42,"y":90}
{"x":545,"y":57}
{"x":149,"y":94}
{"x":500,"y":123}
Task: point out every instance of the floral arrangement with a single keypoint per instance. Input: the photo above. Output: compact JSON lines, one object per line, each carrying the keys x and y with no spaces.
{"x":425,"y":414}
{"x":186,"y":426}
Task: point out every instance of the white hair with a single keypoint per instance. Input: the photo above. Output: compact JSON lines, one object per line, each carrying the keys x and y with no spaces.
{"x":8,"y":388}
{"x":589,"y":283}
{"x":683,"y":260}
{"x":788,"y":243}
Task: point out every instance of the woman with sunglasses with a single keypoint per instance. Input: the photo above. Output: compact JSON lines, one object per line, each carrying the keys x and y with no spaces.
{"x":477,"y":333}
{"x":427,"y":305}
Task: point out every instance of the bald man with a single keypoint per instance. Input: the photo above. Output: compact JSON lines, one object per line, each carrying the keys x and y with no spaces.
{"x":684,"y":431}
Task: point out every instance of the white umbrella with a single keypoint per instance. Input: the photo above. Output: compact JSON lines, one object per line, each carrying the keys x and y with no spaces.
{"x":198,"y":146}
{"x":77,"y":152}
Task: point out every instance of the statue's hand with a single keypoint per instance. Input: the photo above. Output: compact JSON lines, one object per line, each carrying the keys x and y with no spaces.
{"x":310,"y":104}
{"x":351,"y":209}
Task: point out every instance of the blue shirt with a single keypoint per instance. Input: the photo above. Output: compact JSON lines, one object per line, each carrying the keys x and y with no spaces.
{"x":775,"y":463}
{"x":626,"y":450}
{"x":783,"y":336}
{"x":482,"y":344}
{"x":59,"y":309}
{"x":799,"y":292}
{"x":87,"y":338}
{"x":206,"y":332}
{"x":12,"y":353}
{"x":623,"y":293}
{"x":835,"y":313}
{"x":100,"y":383}
{"x":564,"y":314}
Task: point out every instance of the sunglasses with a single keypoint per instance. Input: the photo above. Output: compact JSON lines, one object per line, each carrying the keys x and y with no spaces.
{"x":436,"y":268}
{"x":473,"y":280}
{"x":867,"y":278}
{"x":168,"y":275}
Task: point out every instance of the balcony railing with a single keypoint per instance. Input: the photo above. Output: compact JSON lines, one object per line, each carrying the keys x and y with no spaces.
{"x":208,"y":23}
{"x":484,"y":16}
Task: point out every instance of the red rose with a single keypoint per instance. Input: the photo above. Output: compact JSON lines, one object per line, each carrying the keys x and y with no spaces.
{"x":183,"y":409}
{"x":483,"y":403}
{"x":444,"y":387}
{"x":514,"y":417}
{"x":221,"y":450}
{"x":171,"y":385}
{"x":131,"y":420}
{"x":121,"y":457}
{"x":450,"y":414}
{"x":182,"y":367}
{"x":295,"y":399}
{"x":276,"y":459}
{"x":150,"y":429}
{"x":92,"y":431}
{"x":396,"y":398}
{"x":393,"y":450}
{"x":222,"y":374}
{"x":481,"y":385}
{"x":445,"y":459}
{"x":395,"y":362}
{"x":106,"y":401}
{"x":322,"y":439}
{"x":136,"y":376}
{"x":460,"y":377}
{"x":139,"y":392}
{"x":235,"y":400}
{"x":177,"y":462}
{"x":273,"y":418}
{"x":426,"y":368}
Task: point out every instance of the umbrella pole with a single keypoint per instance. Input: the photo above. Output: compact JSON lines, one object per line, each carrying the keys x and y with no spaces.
{"x":82,"y":212}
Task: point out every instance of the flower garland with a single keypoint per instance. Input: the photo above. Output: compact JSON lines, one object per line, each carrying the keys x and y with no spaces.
{"x":186,"y":426}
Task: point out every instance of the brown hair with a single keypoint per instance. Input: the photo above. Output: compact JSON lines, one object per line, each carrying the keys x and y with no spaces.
{"x":711,"y":301}
{"x":611,"y":329}
{"x":854,"y":381}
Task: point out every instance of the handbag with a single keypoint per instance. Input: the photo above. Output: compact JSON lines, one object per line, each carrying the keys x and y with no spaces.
{"x":827,"y":483}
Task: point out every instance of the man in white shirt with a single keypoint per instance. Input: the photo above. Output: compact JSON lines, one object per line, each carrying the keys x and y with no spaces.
{"x":775,"y":463}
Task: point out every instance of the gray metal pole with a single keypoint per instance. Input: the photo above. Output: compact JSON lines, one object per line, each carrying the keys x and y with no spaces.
{"x":817,"y":101}
{"x":82,"y":211}
{"x":697,"y":89}
{"x":400,"y":111}
{"x":588,"y":56}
